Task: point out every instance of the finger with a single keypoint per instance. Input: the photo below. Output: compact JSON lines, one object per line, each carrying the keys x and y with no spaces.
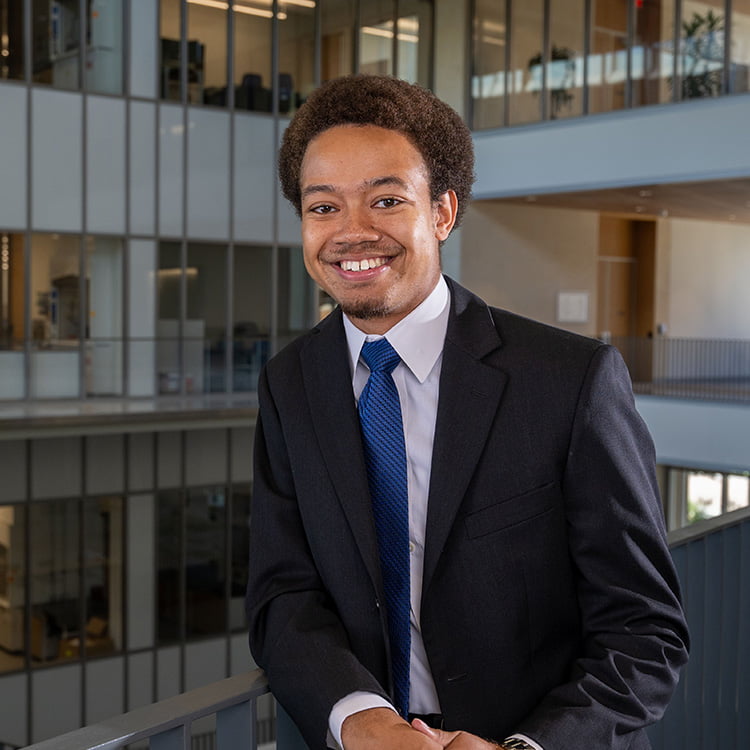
{"x":440,"y":736}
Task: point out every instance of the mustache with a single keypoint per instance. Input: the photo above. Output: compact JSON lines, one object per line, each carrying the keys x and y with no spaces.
{"x":364,"y":249}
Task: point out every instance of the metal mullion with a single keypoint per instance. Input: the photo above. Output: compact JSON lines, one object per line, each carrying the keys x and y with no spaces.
{"x":27,"y":64}
{"x":125,"y":560}
{"x":394,"y":40}
{"x":726,"y":82}
{"x":630,"y":38}
{"x":230,"y":57}
{"x":82,"y":653}
{"x":27,"y":590}
{"x":82,"y":51}
{"x":125,"y":307}
{"x":182,"y":625}
{"x":676,"y":43}
{"x":274,"y":317}
{"x":506,"y":71}
{"x":587,"y":11}
{"x":228,"y":551}
{"x":183,"y":53}
{"x":546,"y":58}
{"x":318,"y":45}
{"x":356,"y":38}
{"x":182,"y":343}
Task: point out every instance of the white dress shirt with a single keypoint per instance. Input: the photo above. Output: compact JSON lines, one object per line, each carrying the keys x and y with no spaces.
{"x":418,"y":339}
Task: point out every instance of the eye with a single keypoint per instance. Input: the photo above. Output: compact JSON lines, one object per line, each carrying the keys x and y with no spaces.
{"x":388,"y":202}
{"x":322,"y":209}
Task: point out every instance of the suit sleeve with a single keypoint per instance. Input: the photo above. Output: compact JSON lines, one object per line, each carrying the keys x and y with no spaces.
{"x":634,"y":638}
{"x":295,"y":632}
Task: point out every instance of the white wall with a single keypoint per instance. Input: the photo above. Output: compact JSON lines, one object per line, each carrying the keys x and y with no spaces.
{"x":705,"y":289}
{"x":519,"y":257}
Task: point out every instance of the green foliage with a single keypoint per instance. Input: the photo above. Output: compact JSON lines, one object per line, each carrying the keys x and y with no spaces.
{"x":702,"y":52}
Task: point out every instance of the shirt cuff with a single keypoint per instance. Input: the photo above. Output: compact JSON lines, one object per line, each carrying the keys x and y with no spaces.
{"x":350,"y":704}
{"x":528,"y":740}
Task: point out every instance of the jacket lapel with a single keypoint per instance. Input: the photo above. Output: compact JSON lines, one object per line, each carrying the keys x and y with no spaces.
{"x":328,"y":386}
{"x":470,"y":393}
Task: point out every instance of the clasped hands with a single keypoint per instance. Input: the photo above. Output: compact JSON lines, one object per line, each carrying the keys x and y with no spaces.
{"x":383,"y":729}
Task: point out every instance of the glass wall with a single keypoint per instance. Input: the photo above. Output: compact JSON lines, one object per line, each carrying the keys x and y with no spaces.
{"x":11,"y":39}
{"x":337,"y":38}
{"x":608,"y":60}
{"x":414,"y":32}
{"x":564,"y":83}
{"x":207,"y":53}
{"x":56,"y":43}
{"x":699,"y":495}
{"x":171,"y":51}
{"x":739,"y":72}
{"x":252,"y":57}
{"x":296,"y":54}
{"x":376,"y":36}
{"x":652,"y":61}
{"x":12,"y":587}
{"x":525,"y":80}
{"x":488,"y":64}
{"x":104,"y":46}
{"x":12,"y":318}
{"x":701,"y":51}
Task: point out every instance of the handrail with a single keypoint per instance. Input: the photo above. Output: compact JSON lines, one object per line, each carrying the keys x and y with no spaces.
{"x":167,"y":723}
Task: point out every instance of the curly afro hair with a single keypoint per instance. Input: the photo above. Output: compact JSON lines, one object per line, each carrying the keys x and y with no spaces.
{"x":436,"y":130}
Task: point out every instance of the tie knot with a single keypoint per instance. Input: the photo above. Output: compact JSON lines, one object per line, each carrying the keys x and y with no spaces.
{"x":380,"y":356}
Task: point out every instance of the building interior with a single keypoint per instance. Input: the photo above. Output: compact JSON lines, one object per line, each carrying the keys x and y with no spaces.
{"x":149,"y":267}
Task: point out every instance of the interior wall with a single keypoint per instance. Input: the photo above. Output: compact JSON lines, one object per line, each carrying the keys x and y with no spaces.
{"x":706,"y":286}
{"x":520,"y":257}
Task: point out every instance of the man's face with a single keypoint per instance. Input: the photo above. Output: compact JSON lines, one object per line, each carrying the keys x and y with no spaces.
{"x":370,"y":231}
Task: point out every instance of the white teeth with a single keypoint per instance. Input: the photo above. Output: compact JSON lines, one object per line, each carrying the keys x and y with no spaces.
{"x":362,"y":265}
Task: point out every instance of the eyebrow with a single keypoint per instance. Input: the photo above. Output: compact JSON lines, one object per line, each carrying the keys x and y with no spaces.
{"x":374,"y":182}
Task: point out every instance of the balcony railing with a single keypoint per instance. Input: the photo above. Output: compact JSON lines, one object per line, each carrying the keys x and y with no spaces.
{"x":167,"y":725}
{"x":714,"y":369}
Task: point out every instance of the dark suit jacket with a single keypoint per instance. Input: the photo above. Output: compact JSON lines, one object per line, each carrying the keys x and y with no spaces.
{"x":550,"y":605}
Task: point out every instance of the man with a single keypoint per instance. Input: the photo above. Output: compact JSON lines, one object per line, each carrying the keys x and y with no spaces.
{"x":542,"y":608}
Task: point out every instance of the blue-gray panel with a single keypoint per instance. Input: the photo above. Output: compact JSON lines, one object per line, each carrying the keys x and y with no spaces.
{"x":713,"y":613}
{"x":727,"y":715}
{"x":743,"y":645}
{"x":695,"y":596}
{"x":670,"y":731}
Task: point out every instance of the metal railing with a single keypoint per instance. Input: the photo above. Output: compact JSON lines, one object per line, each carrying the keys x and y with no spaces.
{"x":166,"y":725}
{"x":688,"y":368}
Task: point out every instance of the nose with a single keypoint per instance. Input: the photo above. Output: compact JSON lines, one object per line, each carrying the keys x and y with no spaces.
{"x":355,"y":226}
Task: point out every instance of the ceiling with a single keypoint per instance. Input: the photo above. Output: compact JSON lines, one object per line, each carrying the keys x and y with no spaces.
{"x":719,"y":200}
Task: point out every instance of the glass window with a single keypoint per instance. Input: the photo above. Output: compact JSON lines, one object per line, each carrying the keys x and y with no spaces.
{"x":701,"y":58}
{"x":738,"y":491}
{"x":12,"y":327}
{"x":252,"y":56}
{"x":56,"y":613}
{"x":104,"y":48}
{"x":169,"y":561}
{"x":251,"y":315}
{"x":414,"y":53}
{"x":652,"y":63}
{"x":525,"y":83}
{"x":704,"y":493}
{"x":296,"y":53}
{"x":564,"y":93}
{"x":205,"y":560}
{"x":168,"y":357}
{"x":12,"y":587}
{"x":207,"y":52}
{"x":240,"y":554}
{"x":169,"y":32}
{"x":55,"y":291}
{"x":103,"y":540}
{"x":11,"y":39}
{"x":739,"y":72}
{"x":205,"y":330}
{"x":376,"y":36}
{"x":608,"y":61}
{"x":488,"y":77}
{"x":297,"y":296}
{"x":56,"y":43}
{"x":104,"y":259}
{"x":337,"y":42}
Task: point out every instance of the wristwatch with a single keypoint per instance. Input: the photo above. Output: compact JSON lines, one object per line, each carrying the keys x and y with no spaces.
{"x":513,"y":743}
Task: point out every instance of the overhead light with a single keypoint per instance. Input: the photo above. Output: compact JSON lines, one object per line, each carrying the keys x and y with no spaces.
{"x":645,"y":193}
{"x":246,"y":9}
{"x":170,"y":272}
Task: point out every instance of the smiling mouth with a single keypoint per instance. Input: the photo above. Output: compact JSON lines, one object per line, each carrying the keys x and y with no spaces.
{"x":362,"y":265}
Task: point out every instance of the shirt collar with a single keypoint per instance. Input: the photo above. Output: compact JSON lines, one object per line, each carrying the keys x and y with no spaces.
{"x":418,"y":338}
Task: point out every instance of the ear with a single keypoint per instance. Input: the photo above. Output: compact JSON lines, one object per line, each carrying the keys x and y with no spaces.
{"x":446,"y":208}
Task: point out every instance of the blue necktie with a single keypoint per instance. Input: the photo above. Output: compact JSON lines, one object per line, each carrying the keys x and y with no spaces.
{"x":385,"y":457}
